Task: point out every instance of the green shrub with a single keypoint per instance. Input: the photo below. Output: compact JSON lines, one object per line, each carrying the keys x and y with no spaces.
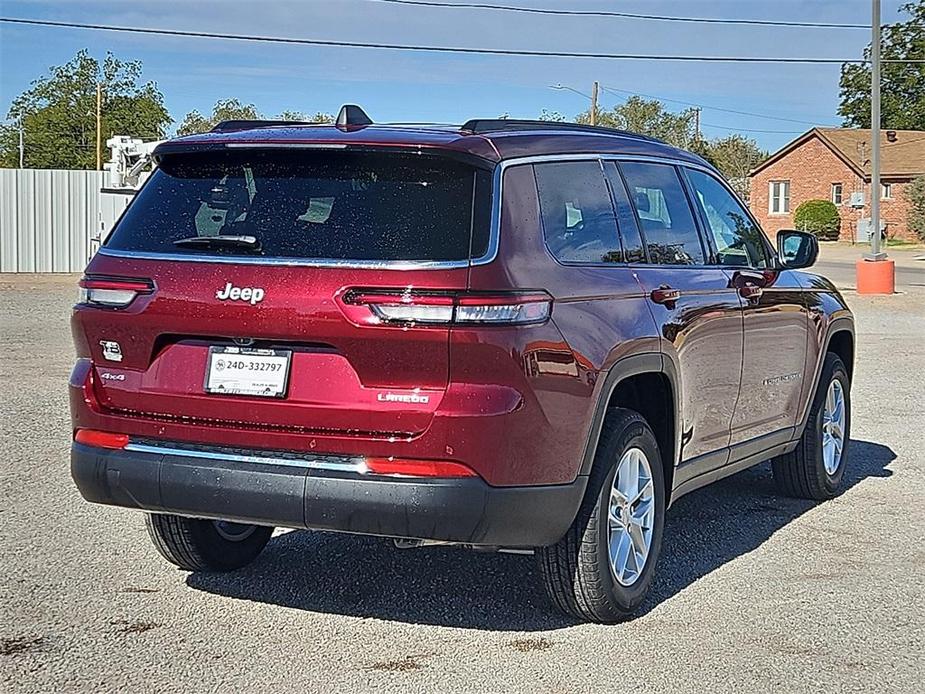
{"x":820,"y":217}
{"x":917,"y":207}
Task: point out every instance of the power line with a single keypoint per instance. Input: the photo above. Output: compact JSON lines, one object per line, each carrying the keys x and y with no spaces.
{"x":627,"y":15}
{"x":752,"y":130}
{"x":613,"y":91}
{"x":708,"y":125}
{"x":441,"y":49}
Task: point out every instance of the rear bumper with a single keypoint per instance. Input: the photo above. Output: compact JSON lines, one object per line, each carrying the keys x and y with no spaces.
{"x":324,"y":496}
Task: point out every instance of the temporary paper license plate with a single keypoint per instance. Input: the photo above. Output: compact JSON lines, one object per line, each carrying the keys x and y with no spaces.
{"x":248,"y":371}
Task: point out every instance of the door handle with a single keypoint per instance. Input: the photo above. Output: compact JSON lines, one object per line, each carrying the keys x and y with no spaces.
{"x":665,"y":295}
{"x":750,"y":292}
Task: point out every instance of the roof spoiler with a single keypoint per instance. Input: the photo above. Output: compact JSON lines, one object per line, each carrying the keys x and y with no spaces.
{"x":231,"y":126}
{"x":349,"y":116}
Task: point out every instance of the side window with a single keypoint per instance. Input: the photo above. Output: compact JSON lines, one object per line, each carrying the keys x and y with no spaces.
{"x":633,"y":249}
{"x":738,"y":240}
{"x":664,"y":214}
{"x":578,"y":217}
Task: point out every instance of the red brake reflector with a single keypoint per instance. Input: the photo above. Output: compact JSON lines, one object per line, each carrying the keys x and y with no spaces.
{"x":418,"y":468}
{"x":101,"y":439}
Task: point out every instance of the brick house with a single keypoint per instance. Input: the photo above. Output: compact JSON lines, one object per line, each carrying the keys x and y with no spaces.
{"x":831,"y":164}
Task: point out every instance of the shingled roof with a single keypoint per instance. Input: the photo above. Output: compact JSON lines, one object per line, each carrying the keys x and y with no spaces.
{"x":902,"y":158}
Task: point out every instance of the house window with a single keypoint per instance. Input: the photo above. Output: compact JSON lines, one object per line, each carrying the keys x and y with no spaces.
{"x":837,"y":193}
{"x":779,"y":197}
{"x":886,"y":191}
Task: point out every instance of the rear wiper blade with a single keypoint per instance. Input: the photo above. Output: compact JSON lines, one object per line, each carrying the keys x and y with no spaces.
{"x":220,"y":241}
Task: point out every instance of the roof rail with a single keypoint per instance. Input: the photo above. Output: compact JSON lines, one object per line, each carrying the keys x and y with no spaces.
{"x":231,"y":126}
{"x":494,"y":125}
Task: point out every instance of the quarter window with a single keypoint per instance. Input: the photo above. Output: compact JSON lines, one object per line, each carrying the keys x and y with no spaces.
{"x":578,"y":217}
{"x":664,"y":213}
{"x":837,"y":193}
{"x":737,"y":239}
{"x":886,"y":191}
{"x":779,"y":197}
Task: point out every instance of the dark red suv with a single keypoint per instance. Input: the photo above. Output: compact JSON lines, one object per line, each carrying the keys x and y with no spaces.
{"x":506,"y":335}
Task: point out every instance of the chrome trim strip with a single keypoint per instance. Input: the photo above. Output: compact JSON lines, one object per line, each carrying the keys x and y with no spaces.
{"x":605,"y":156}
{"x":332,"y":463}
{"x":314,"y":262}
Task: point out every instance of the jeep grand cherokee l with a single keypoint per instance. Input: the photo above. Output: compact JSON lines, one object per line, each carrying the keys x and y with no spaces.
{"x":504,"y":335}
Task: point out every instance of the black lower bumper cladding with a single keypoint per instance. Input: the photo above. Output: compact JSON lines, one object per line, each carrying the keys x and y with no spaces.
{"x":465,"y":510}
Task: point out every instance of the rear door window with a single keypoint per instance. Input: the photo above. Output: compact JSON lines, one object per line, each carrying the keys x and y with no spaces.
{"x":664,"y":213}
{"x":633,"y":249}
{"x":314,"y":205}
{"x":578,"y":217}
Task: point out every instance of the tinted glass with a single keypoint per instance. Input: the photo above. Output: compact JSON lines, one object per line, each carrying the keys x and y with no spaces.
{"x":737,"y":239}
{"x":322,"y":205}
{"x":578,"y":217}
{"x":633,"y":249}
{"x":664,"y":214}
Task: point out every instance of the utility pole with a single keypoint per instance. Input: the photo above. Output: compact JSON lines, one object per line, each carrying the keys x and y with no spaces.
{"x":697,"y":121}
{"x":875,"y":132}
{"x":99,"y":126}
{"x":594,"y":88}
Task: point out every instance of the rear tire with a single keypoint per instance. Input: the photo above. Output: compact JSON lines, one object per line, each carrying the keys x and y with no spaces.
{"x":578,"y":572}
{"x":815,"y":468}
{"x":204,"y":545}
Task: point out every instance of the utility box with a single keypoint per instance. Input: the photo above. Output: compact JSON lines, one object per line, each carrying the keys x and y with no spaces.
{"x":862,"y":232}
{"x":857,"y":200}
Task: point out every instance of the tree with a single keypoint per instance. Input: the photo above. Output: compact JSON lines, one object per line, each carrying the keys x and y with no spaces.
{"x":552,"y":116}
{"x":234,"y":109}
{"x":649,"y":117}
{"x":319,"y":117}
{"x":224,"y":109}
{"x":916,"y":195}
{"x":820,"y":217}
{"x":735,"y":156}
{"x":902,"y":85}
{"x":58,"y":113}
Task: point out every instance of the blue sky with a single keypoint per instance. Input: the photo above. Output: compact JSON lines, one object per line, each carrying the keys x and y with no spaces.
{"x":398,"y":86}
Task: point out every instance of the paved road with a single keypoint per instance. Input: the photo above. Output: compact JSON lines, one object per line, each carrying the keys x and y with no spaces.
{"x":837,"y":262}
{"x":754,"y":592}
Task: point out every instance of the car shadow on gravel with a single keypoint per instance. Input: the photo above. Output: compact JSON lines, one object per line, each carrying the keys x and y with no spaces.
{"x":368,"y":577}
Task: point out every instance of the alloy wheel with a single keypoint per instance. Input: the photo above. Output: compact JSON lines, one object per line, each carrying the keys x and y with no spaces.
{"x":631,"y":517}
{"x":833,"y":426}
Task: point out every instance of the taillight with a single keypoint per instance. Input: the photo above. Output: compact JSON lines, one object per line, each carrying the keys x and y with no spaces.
{"x":412,"y":307}
{"x":403,"y":467}
{"x":101,"y":439}
{"x":113,"y":292}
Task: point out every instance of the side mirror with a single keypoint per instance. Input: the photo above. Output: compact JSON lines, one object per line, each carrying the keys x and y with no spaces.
{"x":797,"y":249}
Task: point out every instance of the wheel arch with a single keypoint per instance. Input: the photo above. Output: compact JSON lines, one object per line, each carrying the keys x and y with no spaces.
{"x":647,"y":384}
{"x":839,"y":340}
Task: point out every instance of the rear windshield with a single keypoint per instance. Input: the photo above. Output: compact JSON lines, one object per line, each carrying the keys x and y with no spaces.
{"x":315,"y":205}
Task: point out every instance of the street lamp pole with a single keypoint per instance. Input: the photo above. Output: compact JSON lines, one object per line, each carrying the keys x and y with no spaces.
{"x":875,"y":132}
{"x":876,"y":274}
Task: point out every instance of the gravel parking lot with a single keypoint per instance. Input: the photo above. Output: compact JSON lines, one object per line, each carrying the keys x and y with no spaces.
{"x":753,"y":591}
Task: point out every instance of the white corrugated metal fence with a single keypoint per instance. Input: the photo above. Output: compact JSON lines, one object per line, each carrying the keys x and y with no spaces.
{"x":50,"y":221}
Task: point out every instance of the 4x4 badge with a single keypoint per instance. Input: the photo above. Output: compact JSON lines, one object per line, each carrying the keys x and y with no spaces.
{"x":231,"y":293}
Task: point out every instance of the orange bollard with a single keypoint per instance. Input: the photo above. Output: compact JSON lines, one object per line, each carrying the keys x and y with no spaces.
{"x":876,"y":276}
